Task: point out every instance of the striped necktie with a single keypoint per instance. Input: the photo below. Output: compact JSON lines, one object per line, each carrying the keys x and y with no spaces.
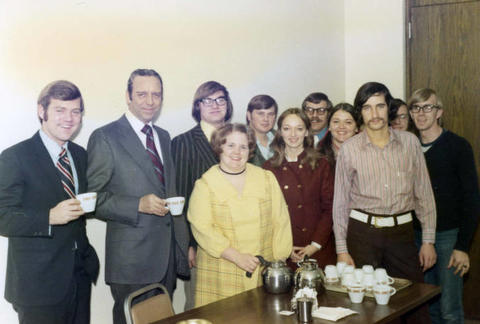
{"x":152,"y":151}
{"x":65,"y":170}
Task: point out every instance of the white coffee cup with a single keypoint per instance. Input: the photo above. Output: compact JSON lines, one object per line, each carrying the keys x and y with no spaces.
{"x":340,"y":266}
{"x":368,"y":281}
{"x":367,"y":268}
{"x":382,"y":293}
{"x":348,"y":269}
{"x":348,"y":279}
{"x":382,"y":277}
{"x":175,"y":204}
{"x":331,"y":274}
{"x":87,"y":201}
{"x":356,"y":293}
{"x":358,"y":273}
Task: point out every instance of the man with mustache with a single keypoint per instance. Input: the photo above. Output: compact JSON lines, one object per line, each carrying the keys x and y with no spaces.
{"x":381,"y":181}
{"x":317,"y":105}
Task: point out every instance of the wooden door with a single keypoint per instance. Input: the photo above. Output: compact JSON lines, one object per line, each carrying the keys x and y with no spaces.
{"x":443,"y":53}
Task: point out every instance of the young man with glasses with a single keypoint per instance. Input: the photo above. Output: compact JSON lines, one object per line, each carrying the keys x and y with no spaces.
{"x":381,"y":181}
{"x":317,"y":105}
{"x":451,"y":166}
{"x":193,"y":155}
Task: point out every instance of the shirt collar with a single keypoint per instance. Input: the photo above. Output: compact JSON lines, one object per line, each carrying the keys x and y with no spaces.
{"x":270,"y":137}
{"x":393,"y":138}
{"x":207,"y":129}
{"x":136,"y":123}
{"x":52,"y":147}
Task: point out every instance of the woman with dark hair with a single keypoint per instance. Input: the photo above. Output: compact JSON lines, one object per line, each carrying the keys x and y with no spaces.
{"x":399,"y":117}
{"x":342,"y":124}
{"x":307,"y":183}
{"x":236,"y":211}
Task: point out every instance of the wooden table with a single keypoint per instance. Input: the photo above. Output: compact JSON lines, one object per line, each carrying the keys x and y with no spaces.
{"x":257,"y":306}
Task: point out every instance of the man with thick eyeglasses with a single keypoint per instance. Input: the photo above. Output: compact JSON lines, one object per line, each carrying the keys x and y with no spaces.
{"x":451,"y":166}
{"x":193,"y":155}
{"x":317,"y":105}
{"x":381,"y":183}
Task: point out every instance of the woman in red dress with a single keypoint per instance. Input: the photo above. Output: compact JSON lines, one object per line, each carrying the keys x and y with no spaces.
{"x":307,"y":182}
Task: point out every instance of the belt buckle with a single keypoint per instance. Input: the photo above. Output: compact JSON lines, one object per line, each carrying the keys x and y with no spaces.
{"x":375,"y":222}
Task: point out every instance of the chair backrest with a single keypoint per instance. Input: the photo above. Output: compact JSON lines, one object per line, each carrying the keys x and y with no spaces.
{"x":149,"y":310}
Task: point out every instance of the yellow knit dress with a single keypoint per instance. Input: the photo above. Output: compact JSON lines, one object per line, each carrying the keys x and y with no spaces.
{"x":255,"y":221}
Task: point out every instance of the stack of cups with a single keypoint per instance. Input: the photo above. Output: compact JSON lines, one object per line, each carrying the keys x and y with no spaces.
{"x":359,"y":281}
{"x":368,"y":277}
{"x":331,"y":274}
{"x":382,"y":289}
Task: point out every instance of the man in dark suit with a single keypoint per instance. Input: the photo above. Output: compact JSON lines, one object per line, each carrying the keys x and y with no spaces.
{"x":193,"y":154}
{"x":51,"y":264}
{"x":131,"y":169}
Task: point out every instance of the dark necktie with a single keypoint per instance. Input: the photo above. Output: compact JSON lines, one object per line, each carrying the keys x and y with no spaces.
{"x":152,"y":151}
{"x":65,"y":170}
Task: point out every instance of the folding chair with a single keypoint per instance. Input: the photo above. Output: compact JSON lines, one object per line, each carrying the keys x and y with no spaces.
{"x":149,"y":310}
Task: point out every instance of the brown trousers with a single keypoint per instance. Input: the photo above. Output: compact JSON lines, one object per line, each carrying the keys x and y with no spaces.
{"x":392,"y":248}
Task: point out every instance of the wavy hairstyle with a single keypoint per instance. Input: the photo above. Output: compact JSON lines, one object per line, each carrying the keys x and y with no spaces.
{"x":219,"y":137}
{"x":278,"y":144}
{"x":325,"y":146}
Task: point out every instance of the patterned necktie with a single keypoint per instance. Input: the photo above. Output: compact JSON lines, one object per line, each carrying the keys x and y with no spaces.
{"x":152,"y":151}
{"x":63,"y":166}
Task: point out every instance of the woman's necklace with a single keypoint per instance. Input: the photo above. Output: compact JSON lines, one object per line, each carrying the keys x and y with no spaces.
{"x":232,"y":173}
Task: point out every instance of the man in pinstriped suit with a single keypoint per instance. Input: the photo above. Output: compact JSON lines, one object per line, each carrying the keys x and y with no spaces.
{"x":193,"y":155}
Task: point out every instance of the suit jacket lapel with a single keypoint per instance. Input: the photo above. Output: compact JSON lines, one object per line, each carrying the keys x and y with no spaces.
{"x":130,"y":141}
{"x":46,"y":169}
{"x":204,"y":148}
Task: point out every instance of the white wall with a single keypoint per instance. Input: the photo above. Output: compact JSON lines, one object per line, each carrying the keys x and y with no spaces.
{"x":374,"y":45}
{"x":283,"y":48}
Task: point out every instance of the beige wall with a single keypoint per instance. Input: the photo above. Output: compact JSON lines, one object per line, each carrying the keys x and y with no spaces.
{"x":283,"y":48}
{"x":374,"y":45}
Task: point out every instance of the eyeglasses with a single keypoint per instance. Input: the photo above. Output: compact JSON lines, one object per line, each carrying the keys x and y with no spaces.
{"x":401,"y":116}
{"x":319,"y":111}
{"x":425,"y":108}
{"x":221,"y":101}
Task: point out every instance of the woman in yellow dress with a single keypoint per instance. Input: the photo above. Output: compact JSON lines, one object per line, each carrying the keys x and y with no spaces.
{"x":236,"y":211}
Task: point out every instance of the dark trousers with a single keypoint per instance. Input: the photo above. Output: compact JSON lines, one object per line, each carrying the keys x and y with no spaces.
{"x":121,"y":291}
{"x":73,"y":309}
{"x":392,"y":248}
